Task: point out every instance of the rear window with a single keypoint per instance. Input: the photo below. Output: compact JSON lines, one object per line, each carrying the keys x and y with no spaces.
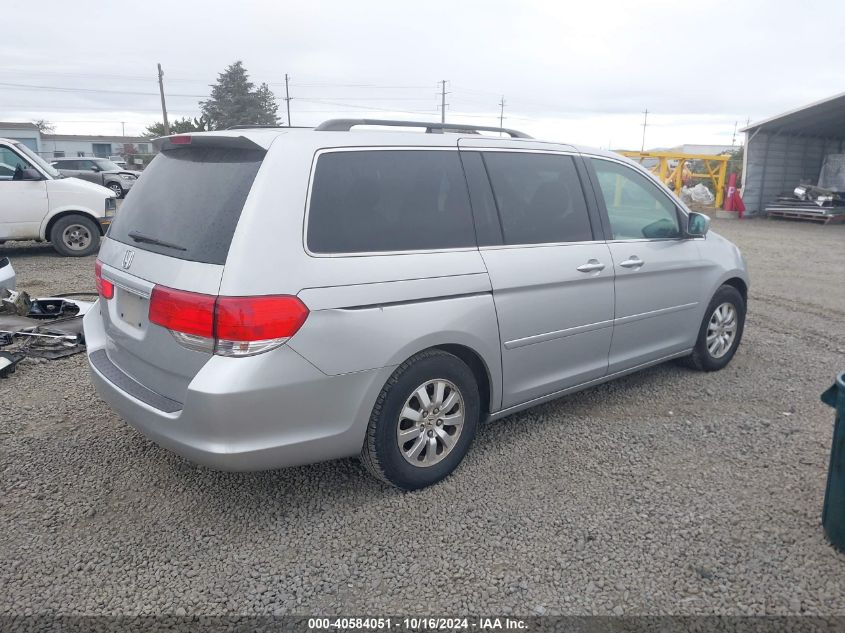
{"x":189,"y":200}
{"x":389,"y":200}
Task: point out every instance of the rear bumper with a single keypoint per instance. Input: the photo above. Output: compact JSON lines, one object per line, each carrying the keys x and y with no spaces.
{"x":257,"y":413}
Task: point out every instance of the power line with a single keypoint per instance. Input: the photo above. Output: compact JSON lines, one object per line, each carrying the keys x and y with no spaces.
{"x":16,"y":86}
{"x":329,"y":85}
{"x":365,"y":108}
{"x":95,"y":75}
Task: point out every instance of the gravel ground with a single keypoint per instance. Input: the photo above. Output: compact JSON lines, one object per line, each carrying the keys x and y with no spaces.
{"x":667,"y":492}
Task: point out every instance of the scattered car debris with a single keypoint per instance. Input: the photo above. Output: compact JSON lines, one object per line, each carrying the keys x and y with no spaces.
{"x":49,"y":327}
{"x":8,"y":363}
{"x":52,"y":307}
{"x":13,"y":302}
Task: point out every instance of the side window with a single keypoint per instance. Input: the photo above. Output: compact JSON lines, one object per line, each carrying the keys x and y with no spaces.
{"x":488,"y":226}
{"x":636,"y":206}
{"x":539,"y":198}
{"x":389,"y":200}
{"x":86,"y":165}
{"x":11,"y":165}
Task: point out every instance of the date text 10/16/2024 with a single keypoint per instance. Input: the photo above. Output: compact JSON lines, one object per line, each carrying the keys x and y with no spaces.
{"x":415,"y":624}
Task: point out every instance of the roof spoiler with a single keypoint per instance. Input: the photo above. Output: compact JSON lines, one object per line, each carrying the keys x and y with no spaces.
{"x":176,"y":141}
{"x":344,"y":125}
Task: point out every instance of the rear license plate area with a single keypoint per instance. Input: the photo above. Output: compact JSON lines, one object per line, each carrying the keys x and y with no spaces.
{"x":132,"y":308}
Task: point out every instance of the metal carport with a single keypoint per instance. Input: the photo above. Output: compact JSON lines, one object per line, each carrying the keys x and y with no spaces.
{"x":789,"y":148}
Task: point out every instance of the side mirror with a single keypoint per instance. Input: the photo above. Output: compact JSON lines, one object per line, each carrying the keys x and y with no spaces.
{"x":31,"y":173}
{"x":698,"y":224}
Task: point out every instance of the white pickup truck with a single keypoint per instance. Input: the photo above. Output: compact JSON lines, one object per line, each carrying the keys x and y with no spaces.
{"x":38,"y":203}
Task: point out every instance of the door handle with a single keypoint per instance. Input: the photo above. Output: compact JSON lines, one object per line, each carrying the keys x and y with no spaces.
{"x":632,"y":262}
{"x":592,"y":265}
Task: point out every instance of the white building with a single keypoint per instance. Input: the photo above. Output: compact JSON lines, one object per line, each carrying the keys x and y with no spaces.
{"x":26,"y":133}
{"x":51,"y":146}
{"x":65,"y":145}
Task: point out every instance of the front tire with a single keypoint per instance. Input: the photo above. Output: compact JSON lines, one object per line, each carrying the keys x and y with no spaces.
{"x":75,"y":236}
{"x":118,"y":190}
{"x":423,"y":422}
{"x":720,"y":332}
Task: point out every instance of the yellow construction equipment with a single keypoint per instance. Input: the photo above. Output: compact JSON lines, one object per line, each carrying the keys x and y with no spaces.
{"x":672,"y":169}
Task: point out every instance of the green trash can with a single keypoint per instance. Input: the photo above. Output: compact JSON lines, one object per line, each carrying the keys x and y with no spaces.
{"x":833,"y":513}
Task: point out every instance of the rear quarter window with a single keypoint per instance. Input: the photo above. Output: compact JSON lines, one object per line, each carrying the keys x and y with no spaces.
{"x":389,"y":200}
{"x":190,"y":198}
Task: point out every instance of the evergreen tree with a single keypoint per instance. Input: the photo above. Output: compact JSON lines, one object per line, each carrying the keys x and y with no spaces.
{"x":267,"y":106}
{"x":234,"y":101}
{"x":179,"y":126}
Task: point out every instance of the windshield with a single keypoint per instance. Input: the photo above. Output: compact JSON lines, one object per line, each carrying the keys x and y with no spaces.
{"x":35,"y":158}
{"x":106,"y":165}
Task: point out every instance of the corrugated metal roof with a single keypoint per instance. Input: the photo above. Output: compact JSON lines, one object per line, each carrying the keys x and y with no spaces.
{"x":9,"y":125}
{"x":825,"y":118}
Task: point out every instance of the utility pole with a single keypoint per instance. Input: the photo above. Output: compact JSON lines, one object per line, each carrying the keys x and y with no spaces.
{"x":443,"y":101}
{"x":733,"y":138}
{"x":501,"y":113}
{"x":123,"y":128}
{"x":163,"y":106}
{"x":645,"y":123}
{"x":287,"y":97}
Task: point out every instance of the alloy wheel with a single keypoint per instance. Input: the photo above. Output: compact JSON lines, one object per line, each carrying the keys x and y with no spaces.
{"x":430,"y":423}
{"x":721,"y":330}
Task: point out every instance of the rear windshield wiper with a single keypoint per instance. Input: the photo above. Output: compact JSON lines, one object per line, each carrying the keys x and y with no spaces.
{"x":146,"y":239}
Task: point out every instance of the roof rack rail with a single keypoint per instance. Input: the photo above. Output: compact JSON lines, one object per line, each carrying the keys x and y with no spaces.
{"x":344,"y":125}
{"x":251,"y":127}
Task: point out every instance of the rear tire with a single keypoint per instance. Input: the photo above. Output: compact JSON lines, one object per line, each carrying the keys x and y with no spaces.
{"x":720,"y":332}
{"x":75,"y":236}
{"x":423,"y":422}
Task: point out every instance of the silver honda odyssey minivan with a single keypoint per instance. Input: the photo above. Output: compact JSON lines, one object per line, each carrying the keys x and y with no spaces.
{"x":274,"y":297}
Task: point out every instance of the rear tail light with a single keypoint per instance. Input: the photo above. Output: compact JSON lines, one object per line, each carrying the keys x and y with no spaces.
{"x":227,"y":326}
{"x":105,"y":288}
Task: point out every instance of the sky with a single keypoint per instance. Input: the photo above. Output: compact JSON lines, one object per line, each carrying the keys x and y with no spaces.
{"x":576,"y":72}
